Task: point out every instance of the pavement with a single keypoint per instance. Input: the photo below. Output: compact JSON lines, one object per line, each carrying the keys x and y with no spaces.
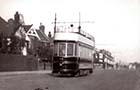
{"x":43,"y":72}
{"x":25,"y":72}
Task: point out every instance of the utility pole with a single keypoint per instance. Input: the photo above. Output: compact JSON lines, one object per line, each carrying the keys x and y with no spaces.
{"x":71,"y":22}
{"x":55,"y":23}
{"x":79,"y":27}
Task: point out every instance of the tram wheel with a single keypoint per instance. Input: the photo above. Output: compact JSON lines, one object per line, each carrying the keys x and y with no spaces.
{"x":91,"y":71}
{"x":76,"y":74}
{"x":88,"y":72}
{"x":81,"y":72}
{"x":72,"y":75}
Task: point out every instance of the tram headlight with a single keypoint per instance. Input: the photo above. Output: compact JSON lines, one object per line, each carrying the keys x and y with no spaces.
{"x":61,"y":61}
{"x":60,"y":64}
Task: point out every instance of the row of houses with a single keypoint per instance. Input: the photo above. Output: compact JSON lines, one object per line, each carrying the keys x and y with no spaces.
{"x":33,"y":37}
{"x":24,"y":44}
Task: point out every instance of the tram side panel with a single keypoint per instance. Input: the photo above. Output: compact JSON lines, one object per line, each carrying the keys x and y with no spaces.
{"x":85,"y":54}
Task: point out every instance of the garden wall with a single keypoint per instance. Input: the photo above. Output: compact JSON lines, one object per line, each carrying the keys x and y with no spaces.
{"x":12,"y":62}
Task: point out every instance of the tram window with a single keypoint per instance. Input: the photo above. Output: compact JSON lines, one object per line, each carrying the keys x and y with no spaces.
{"x":62,"y":49}
{"x":70,"y":49}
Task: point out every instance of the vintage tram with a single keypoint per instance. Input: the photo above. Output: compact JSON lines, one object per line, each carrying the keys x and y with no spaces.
{"x":73,"y":51}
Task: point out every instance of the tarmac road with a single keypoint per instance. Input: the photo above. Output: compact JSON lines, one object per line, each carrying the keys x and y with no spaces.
{"x":99,"y":80}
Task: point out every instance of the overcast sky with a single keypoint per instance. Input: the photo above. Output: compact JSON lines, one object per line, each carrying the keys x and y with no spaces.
{"x":116,"y":27}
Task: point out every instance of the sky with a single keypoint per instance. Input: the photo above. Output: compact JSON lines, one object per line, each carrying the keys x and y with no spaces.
{"x":116,"y":24}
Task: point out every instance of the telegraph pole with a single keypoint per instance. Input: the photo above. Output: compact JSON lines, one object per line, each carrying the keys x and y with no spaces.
{"x":55,"y":23}
{"x":79,"y":28}
{"x":79,"y":22}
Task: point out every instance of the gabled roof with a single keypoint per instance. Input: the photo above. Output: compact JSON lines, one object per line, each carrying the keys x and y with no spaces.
{"x":6,"y":29}
{"x":42,"y":36}
{"x":2,"y":21}
{"x":3,"y":25}
{"x":38,"y":34}
{"x":27,"y":27}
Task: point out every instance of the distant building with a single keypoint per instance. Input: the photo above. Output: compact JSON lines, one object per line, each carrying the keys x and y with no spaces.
{"x":104,"y":59}
{"x":132,"y":66}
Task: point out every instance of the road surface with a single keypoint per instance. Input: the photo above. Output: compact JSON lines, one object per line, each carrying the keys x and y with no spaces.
{"x":99,"y":80}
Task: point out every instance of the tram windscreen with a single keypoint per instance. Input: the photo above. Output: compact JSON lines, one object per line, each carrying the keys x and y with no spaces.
{"x":70,"y":49}
{"x":62,"y":49}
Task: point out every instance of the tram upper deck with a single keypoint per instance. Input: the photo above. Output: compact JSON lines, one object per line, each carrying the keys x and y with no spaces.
{"x":65,"y":33}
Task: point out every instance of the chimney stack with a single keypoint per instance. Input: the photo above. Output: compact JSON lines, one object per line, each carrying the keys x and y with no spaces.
{"x":42,"y":28}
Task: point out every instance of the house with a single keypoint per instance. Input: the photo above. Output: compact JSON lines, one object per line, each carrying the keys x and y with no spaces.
{"x":27,"y":39}
{"x":22,"y":40}
{"x":21,"y":34}
{"x":36,"y":38}
{"x":8,"y":34}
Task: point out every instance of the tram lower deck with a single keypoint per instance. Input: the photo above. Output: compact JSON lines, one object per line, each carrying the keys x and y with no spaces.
{"x":71,"y":65}
{"x":65,"y":65}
